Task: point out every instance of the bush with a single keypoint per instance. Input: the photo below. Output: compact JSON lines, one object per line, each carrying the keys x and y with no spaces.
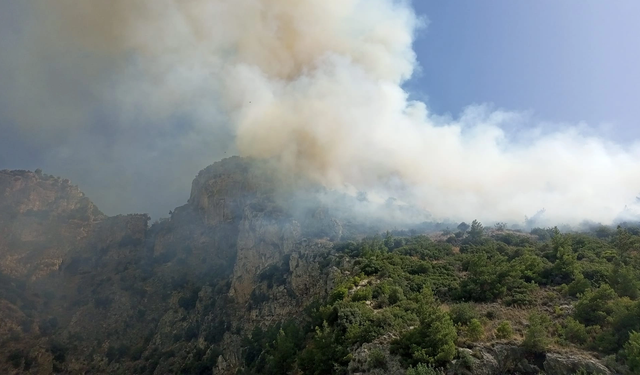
{"x":575,"y":332}
{"x":578,"y":286}
{"x":475,"y":331}
{"x":433,"y":341}
{"x":504,"y":331}
{"x":362,"y":294}
{"x":58,"y":351}
{"x":536,"y":337}
{"x":190,"y":300}
{"x":595,"y":306}
{"x":632,"y":352}
{"x":463,"y":313}
{"x":15,"y":358}
{"x":422,"y":369}
{"x":491,"y":314}
{"x":338,"y":294}
{"x":191,"y":333}
{"x":377,"y":359}
{"x":396,"y":295}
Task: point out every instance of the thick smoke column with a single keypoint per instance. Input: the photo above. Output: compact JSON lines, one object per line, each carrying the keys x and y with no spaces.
{"x":316,"y":85}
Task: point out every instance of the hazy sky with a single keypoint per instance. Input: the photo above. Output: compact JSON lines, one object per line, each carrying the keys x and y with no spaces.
{"x":566,"y":62}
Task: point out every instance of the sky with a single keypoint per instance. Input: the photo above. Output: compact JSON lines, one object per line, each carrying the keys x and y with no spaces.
{"x":563,"y":62}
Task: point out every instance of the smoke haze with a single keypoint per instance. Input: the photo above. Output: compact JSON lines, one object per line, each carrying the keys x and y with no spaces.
{"x":142,"y":94}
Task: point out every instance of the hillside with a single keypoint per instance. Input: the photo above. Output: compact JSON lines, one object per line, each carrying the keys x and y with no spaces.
{"x":244,"y":278}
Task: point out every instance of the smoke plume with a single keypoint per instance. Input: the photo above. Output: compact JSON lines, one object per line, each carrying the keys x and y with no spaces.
{"x":164,"y":87}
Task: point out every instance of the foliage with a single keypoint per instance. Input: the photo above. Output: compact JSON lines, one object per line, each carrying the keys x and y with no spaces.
{"x":578,"y":286}
{"x":463,"y":313}
{"x":338,"y":294}
{"x":190,"y":299}
{"x":504,"y":330}
{"x":422,"y":369}
{"x":632,"y":352}
{"x":536,"y":338}
{"x":476,"y":232}
{"x":575,"y":332}
{"x":432,"y":341}
{"x":475,"y":330}
{"x":362,"y":294}
{"x":273,"y":351}
{"x":377,"y":359}
{"x":409,"y":278}
{"x":595,"y":306}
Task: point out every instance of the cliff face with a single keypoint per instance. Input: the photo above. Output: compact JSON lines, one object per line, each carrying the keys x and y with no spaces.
{"x":85,"y":292}
{"x":42,"y":218}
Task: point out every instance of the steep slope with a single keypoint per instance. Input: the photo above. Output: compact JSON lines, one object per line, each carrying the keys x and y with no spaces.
{"x":85,"y":292}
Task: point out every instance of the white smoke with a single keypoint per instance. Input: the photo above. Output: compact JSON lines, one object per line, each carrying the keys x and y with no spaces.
{"x":317,"y":85}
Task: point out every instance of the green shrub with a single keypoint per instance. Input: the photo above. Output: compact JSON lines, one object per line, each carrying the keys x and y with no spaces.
{"x":632,"y":352}
{"x":491,"y":314}
{"x":578,"y":286}
{"x":338,"y":294}
{"x":433,"y":341}
{"x":362,"y":294}
{"x":396,"y":295}
{"x":575,"y":332}
{"x":475,"y":331}
{"x":595,"y":306}
{"x":422,"y":369}
{"x":463,"y":313}
{"x":377,"y":359}
{"x":504,"y":331}
{"x":536,"y":338}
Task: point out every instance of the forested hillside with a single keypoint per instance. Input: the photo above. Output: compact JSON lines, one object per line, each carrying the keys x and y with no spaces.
{"x":410,"y":301}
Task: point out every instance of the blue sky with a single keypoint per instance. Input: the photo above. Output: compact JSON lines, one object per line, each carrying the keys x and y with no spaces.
{"x":565,"y":60}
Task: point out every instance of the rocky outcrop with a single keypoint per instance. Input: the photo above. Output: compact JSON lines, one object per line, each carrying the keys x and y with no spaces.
{"x":557,"y":364}
{"x":511,"y":359}
{"x":81,"y":291}
{"x":42,"y":218}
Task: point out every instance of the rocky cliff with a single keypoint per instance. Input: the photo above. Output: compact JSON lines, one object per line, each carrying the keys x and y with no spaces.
{"x":85,"y":292}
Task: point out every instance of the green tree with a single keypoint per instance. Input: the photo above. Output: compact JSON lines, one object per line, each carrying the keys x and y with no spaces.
{"x":565,"y":265}
{"x":463,"y":313}
{"x":433,"y":341}
{"x":463,"y":227}
{"x":594,"y":307}
{"x":338,"y":294}
{"x":536,"y":338}
{"x":578,"y":286}
{"x":422,"y":369}
{"x":504,"y":331}
{"x":362,"y":294}
{"x":477,"y":231}
{"x":632,"y":352}
{"x":625,"y":282}
{"x":575,"y":332}
{"x":475,"y":330}
{"x":377,"y":359}
{"x":282,"y":354}
{"x":488,"y":278}
{"x":323,"y":354}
